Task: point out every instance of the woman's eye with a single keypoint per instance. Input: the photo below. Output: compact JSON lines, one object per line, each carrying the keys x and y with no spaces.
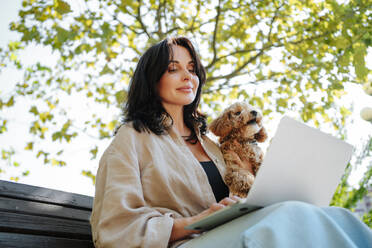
{"x":192,"y":68}
{"x":237,"y":113}
{"x":171,"y":69}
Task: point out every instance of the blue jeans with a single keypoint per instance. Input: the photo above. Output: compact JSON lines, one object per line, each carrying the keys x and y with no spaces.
{"x":288,"y":224}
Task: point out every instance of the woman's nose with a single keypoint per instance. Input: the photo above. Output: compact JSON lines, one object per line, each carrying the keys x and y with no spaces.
{"x":186,"y":75}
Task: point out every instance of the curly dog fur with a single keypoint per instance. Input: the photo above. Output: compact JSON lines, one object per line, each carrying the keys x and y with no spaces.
{"x":239,"y":128}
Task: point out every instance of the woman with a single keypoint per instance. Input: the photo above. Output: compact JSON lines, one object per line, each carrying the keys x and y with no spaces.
{"x":161,"y":172}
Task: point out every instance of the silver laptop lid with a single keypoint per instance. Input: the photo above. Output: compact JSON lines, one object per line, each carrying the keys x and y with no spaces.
{"x":302,"y":163}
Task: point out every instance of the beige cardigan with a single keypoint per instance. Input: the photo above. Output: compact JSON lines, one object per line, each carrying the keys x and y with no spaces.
{"x":143,"y":182}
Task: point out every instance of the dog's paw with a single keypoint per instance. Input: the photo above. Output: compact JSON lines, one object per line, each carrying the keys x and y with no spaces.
{"x":239,"y":182}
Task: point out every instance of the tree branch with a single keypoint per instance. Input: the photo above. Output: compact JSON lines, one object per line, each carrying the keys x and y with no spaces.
{"x":272,"y":22}
{"x":215,"y":59}
{"x":215,"y":34}
{"x":198,"y":27}
{"x":303,"y":40}
{"x":115,"y":17}
{"x":191,"y":28}
{"x":226,"y":85}
{"x":236,"y":71}
{"x":139,"y":19}
{"x":231,"y":54}
{"x":158,"y":20}
{"x":165,"y":16}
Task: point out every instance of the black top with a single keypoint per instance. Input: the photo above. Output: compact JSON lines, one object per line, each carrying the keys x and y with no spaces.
{"x":220,"y":190}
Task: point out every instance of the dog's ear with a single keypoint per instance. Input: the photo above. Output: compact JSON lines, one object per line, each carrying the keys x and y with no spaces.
{"x":261,"y":136}
{"x":221,"y":126}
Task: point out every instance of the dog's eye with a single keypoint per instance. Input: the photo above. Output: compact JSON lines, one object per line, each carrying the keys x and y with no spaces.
{"x":237,"y":113}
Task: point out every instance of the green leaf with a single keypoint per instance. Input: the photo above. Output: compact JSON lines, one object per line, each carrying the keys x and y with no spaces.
{"x":3,"y":126}
{"x":10,"y":102}
{"x":106,"y":70}
{"x":120,"y":96}
{"x":359,"y":62}
{"x":94,"y":152}
{"x":15,"y":179}
{"x":30,"y":146}
{"x":62,"y":36}
{"x":34,"y":110}
{"x":14,"y":45}
{"x":112,"y":124}
{"x":57,"y":135}
{"x":341,"y":42}
{"x":282,"y":102}
{"x":62,"y":7}
{"x":90,"y":175}
{"x":13,"y":57}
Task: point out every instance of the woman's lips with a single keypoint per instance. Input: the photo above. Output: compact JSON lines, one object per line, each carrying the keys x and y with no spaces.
{"x":185,"y":89}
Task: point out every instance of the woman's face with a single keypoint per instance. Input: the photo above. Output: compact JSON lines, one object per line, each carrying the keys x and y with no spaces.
{"x":179,"y":84}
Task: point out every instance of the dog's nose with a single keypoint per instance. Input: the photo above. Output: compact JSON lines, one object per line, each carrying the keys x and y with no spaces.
{"x":254,"y":113}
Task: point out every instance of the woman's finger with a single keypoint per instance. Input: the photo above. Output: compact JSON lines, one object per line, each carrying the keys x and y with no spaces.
{"x":236,"y":198}
{"x":227,"y":201}
{"x":216,"y":206}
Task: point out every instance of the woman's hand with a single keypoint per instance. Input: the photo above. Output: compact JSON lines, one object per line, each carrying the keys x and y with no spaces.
{"x":179,"y":231}
{"x":227,"y":201}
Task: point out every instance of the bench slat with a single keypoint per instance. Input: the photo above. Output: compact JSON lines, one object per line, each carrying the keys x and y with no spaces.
{"x":14,"y":240}
{"x":42,"y":209}
{"x":29,"y":224}
{"x":34,"y":193}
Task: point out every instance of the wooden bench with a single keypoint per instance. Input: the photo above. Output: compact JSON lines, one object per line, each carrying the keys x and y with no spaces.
{"x":38,"y":217}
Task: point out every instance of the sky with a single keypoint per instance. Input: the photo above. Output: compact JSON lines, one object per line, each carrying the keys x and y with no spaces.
{"x":69,"y":178}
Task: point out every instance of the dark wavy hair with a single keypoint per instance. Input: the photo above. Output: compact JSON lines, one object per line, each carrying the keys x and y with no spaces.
{"x":143,"y":106}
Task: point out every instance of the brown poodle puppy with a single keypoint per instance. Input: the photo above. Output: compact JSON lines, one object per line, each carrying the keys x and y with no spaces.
{"x":239,"y":128}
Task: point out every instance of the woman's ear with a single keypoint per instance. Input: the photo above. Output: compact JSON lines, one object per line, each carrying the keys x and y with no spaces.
{"x":221,"y":126}
{"x":261,"y":136}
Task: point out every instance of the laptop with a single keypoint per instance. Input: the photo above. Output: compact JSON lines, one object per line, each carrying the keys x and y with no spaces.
{"x":301,"y":164}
